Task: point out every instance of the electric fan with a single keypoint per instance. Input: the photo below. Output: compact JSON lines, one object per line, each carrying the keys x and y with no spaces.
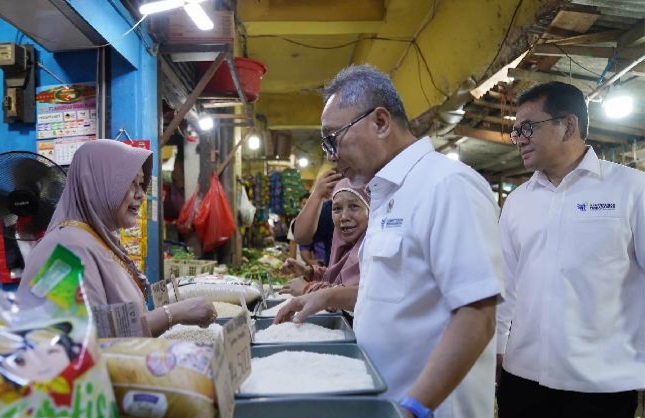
{"x":30,"y":187}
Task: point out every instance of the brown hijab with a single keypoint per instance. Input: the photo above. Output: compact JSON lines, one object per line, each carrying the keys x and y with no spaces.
{"x":97,"y":181}
{"x":343,"y":264}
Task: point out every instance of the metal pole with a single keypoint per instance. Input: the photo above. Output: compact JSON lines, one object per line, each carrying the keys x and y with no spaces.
{"x":615,"y":77}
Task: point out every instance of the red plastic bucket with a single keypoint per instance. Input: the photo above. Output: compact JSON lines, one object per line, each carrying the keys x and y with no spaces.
{"x":249,"y":71}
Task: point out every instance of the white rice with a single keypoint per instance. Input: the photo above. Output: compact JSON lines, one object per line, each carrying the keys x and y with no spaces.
{"x":227,"y":310}
{"x":194,"y":333}
{"x":295,"y":372}
{"x":290,"y":332}
{"x":274,"y":311}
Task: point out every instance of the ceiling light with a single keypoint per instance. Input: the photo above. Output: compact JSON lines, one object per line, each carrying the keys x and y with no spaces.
{"x":254,"y":142}
{"x":159,"y":6}
{"x":618,"y":105}
{"x":453,"y":156}
{"x":206,"y":123}
{"x":199,"y":16}
{"x":303,"y":162}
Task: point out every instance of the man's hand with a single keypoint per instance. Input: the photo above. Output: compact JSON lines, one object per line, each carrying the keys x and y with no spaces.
{"x":302,"y":307}
{"x":294,"y":287}
{"x":326,"y":183}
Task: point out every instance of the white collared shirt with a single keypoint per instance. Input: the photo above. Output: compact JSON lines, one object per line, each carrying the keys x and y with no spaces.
{"x":575,"y":279}
{"x":432,"y":246}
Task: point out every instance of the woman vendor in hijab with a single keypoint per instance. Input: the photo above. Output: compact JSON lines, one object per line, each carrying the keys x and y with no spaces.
{"x":105,"y":188}
{"x":350,"y":213}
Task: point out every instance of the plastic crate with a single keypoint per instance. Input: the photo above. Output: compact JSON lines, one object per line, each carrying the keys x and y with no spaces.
{"x":187,"y":267}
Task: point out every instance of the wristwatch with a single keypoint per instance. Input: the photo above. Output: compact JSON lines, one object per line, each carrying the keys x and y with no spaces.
{"x":417,"y":408}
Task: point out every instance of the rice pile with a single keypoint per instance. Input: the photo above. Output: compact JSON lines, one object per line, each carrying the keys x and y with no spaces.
{"x":295,"y":372}
{"x":194,"y":333}
{"x":274,"y":311}
{"x":290,"y":332}
{"x":226,"y":310}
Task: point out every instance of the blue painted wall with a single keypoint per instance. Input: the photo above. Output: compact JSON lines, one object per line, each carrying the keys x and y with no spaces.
{"x":133,"y":88}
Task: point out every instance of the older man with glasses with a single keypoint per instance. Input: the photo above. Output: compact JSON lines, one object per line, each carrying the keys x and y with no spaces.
{"x":573,"y":239}
{"x":431,"y":260}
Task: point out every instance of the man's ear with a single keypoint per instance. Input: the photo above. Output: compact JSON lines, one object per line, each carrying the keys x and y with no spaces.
{"x":383,"y":120}
{"x":571,"y":127}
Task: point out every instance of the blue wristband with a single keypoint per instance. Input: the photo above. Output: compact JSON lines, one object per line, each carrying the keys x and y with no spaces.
{"x":417,"y":408}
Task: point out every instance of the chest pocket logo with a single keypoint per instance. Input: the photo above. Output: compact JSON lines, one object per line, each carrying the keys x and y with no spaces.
{"x":387,"y":281}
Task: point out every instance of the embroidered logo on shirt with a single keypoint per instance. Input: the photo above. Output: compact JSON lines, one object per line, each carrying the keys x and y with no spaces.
{"x":391,"y":223}
{"x":582,"y":207}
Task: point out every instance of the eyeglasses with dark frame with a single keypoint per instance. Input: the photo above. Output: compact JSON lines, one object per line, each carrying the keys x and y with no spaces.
{"x":526,"y":129}
{"x":329,"y":142}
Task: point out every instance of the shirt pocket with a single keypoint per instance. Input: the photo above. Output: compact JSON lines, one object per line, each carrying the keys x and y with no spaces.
{"x":387,"y":283}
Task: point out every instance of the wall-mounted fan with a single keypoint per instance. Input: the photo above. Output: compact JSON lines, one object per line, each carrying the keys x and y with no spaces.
{"x":30,"y":187}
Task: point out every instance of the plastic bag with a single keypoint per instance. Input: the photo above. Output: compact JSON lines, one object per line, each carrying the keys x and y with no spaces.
{"x":187,"y":214}
{"x":50,"y":364}
{"x":246,"y":208}
{"x":214,"y":223}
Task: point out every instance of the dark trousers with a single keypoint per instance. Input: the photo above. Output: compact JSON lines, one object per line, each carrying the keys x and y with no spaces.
{"x":522,"y":398}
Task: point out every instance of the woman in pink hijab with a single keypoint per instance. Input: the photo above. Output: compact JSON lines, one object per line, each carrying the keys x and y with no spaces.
{"x":350,"y":213}
{"x":105,"y":188}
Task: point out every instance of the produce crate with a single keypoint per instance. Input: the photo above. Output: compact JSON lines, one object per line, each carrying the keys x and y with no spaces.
{"x":329,"y":322}
{"x":318,"y":407}
{"x":346,"y":350}
{"x":187,"y":267}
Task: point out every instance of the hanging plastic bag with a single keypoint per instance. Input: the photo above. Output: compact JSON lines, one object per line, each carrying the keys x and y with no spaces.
{"x":187,"y":214}
{"x":214,"y":223}
{"x":246,"y":208}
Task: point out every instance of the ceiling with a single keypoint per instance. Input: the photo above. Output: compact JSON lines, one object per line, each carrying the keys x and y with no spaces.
{"x":440,"y":55}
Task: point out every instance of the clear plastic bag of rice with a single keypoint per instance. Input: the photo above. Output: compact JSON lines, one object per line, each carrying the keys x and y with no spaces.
{"x":215,"y":288}
{"x":161,"y":378}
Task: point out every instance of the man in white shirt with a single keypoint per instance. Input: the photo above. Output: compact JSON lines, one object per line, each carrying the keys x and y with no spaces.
{"x":573,"y":239}
{"x":431,"y":259}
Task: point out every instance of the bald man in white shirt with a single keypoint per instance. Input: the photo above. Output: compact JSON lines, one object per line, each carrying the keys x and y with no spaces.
{"x":573,"y":239}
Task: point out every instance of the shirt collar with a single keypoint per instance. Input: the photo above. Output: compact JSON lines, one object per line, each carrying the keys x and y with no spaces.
{"x":399,"y":166}
{"x":590,"y":163}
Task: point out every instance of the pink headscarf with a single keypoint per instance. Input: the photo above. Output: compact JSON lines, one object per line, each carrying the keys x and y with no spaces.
{"x":97,"y":181}
{"x":343,"y":264}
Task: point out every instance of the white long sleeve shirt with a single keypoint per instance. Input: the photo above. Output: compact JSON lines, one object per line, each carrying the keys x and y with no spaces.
{"x":575,"y":279}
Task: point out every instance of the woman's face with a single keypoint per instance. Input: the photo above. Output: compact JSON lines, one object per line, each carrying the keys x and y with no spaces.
{"x":350,"y":216}
{"x":128,"y":213}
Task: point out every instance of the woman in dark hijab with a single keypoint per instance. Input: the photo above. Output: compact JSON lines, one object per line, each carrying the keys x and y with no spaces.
{"x":105,"y":188}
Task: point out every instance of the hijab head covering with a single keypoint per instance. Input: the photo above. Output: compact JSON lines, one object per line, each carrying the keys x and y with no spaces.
{"x":101,"y":173}
{"x":343,"y":264}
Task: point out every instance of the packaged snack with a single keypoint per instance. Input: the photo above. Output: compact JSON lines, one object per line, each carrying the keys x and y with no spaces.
{"x":50,"y":364}
{"x":161,"y":378}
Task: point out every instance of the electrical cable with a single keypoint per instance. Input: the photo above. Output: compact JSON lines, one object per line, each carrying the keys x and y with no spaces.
{"x":51,"y":73}
{"x":124,"y":34}
{"x":423,"y":58}
{"x":576,"y":62}
{"x":423,"y":90}
{"x":501,"y":45}
{"x":340,"y":46}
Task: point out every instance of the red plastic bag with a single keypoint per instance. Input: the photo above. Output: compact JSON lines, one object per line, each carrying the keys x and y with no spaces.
{"x":186,"y":215}
{"x":214,"y":223}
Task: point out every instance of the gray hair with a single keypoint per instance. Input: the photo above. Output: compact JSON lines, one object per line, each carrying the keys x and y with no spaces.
{"x":366,"y":87}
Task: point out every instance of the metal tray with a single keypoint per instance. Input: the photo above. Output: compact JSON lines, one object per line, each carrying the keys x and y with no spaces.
{"x":318,"y":407}
{"x":257,"y":312}
{"x":347,"y":350}
{"x":330,"y":322}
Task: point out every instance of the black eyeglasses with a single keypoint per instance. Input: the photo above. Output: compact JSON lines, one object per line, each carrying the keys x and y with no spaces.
{"x":526,"y":129}
{"x":329,"y":142}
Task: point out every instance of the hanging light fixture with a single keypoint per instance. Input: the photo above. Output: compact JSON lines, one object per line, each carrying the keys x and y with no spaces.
{"x":206,"y":123}
{"x":254,"y":142}
{"x":303,"y":162}
{"x":192,"y":8}
{"x":618,"y":104}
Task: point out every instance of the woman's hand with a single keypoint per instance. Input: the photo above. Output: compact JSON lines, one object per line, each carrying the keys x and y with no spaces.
{"x":326,"y":183}
{"x":293,"y":267}
{"x":295,"y":287}
{"x":194,"y":311}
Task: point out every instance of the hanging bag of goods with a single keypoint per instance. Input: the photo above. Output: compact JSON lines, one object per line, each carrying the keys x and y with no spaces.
{"x":50,"y":364}
{"x":214,"y":223}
